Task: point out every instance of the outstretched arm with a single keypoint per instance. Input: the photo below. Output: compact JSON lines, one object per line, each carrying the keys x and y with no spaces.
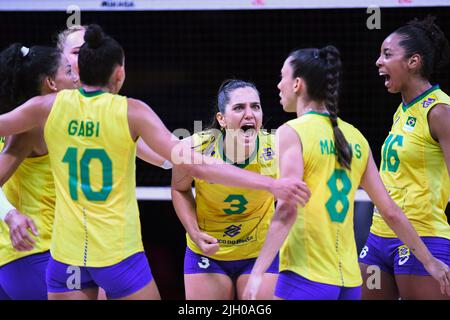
{"x":291,"y":166}
{"x":29,"y":115}
{"x":399,"y":223}
{"x":145,"y":123}
{"x":145,"y":153}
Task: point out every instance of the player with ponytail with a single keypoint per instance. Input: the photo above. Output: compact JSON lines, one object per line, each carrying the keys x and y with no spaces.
{"x":415,"y":162}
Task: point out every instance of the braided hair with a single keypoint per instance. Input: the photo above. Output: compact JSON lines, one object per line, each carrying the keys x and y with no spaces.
{"x":320,"y":69}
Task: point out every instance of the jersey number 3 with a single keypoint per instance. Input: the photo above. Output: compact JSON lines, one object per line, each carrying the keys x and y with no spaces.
{"x":71,"y":157}
{"x":238,"y":206}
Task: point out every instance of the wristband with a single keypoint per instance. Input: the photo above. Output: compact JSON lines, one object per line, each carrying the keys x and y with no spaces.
{"x":167,"y":165}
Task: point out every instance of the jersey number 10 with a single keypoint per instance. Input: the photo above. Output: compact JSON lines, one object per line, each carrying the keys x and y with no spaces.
{"x":71,"y":157}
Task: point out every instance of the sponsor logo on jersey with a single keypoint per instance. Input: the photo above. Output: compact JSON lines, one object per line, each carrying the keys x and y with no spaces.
{"x":428,"y":102}
{"x":232,"y":230}
{"x":268,"y":154}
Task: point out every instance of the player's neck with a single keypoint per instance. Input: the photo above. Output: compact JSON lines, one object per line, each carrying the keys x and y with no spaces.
{"x":236,"y":152}
{"x":305,"y":107}
{"x":413,"y":89}
{"x":95,"y":88}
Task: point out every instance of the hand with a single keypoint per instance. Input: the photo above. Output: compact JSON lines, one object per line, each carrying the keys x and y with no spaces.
{"x":18,"y":225}
{"x":252,"y":287}
{"x":207,"y":244}
{"x":441,"y":272}
{"x":291,"y":190}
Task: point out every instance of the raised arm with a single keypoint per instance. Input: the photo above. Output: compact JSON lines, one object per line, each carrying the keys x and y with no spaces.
{"x":399,"y":223}
{"x":184,"y":204}
{"x":291,"y":166}
{"x":145,"y":123}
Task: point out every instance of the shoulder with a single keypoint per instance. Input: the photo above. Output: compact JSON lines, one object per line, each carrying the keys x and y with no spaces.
{"x":440,"y":110}
{"x":438,"y":119}
{"x":204,"y":140}
{"x":136,"y":103}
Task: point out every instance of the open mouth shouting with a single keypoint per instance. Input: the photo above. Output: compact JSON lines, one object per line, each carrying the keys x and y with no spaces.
{"x":248,"y":131}
{"x":387,"y":79}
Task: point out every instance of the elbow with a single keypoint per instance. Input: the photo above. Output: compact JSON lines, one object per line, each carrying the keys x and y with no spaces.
{"x":194,"y":170}
{"x":392,"y":214}
{"x":286,"y":212}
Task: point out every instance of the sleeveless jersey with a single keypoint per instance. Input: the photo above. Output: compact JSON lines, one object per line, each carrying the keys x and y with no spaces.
{"x":414,"y":171}
{"x":239,"y":218}
{"x":93,"y":161}
{"x":30,"y":190}
{"x":321,"y":244}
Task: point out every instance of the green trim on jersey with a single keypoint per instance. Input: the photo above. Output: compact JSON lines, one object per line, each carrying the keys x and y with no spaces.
{"x":420,"y":97}
{"x":90,"y":94}
{"x":246,"y":162}
{"x":318,"y":113}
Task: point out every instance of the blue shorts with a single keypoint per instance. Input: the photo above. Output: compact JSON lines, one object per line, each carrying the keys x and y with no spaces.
{"x":24,"y":278}
{"x":392,"y":256}
{"x":291,"y":286}
{"x":195,"y":263}
{"x":118,"y":281}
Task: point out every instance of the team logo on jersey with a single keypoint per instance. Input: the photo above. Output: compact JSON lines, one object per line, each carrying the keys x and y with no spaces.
{"x":410,"y":124}
{"x":232,"y":230}
{"x":403,"y":255}
{"x":428,"y":102}
{"x":268,"y":154}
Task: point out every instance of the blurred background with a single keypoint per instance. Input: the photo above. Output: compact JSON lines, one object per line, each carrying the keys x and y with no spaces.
{"x":176,"y":58}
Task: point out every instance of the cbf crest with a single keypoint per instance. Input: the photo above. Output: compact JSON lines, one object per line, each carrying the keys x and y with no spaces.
{"x":410,"y":124}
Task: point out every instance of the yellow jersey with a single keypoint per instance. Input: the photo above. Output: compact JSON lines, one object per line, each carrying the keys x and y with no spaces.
{"x":414,"y":171}
{"x":321,"y":244}
{"x":238,"y":218}
{"x":30,"y":190}
{"x":92,"y":156}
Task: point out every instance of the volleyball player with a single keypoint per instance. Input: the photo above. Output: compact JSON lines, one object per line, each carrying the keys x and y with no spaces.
{"x":226,"y":226}
{"x":25,"y":73}
{"x":318,"y":258}
{"x":415,"y":163}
